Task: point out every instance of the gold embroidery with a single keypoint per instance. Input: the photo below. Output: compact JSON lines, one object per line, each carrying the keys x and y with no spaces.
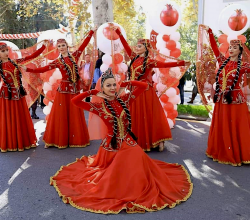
{"x":14,"y":77}
{"x":73,"y":74}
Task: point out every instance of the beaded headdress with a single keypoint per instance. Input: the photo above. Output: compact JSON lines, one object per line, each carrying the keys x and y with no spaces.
{"x":146,"y":42}
{"x":3,"y":45}
{"x":236,"y":42}
{"x":106,"y":75}
{"x":60,"y":41}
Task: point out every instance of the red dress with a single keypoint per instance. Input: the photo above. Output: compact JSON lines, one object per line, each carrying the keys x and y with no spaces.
{"x":228,"y":140}
{"x":125,"y":178}
{"x":149,"y":122}
{"x":66,"y":125}
{"x":16,"y":127}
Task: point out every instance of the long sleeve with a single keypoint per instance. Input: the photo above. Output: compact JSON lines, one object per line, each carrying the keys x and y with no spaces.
{"x":140,"y":87}
{"x":159,"y":64}
{"x":86,"y":41}
{"x":32,"y":56}
{"x":81,"y":104}
{"x":213,"y":43}
{"x":125,"y":44}
{"x":43,"y":69}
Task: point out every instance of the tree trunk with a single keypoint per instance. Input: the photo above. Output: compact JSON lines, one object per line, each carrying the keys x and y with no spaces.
{"x":102,"y":11}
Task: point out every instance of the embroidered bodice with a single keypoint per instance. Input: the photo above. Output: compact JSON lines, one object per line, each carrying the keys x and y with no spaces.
{"x":104,"y":113}
{"x":228,"y":74}
{"x":69,"y":83}
{"x":12,"y":76}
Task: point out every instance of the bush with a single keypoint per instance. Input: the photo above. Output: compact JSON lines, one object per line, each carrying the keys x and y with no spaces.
{"x":195,"y":110}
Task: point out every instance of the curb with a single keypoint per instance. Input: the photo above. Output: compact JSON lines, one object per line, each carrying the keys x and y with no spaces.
{"x":194,"y":118}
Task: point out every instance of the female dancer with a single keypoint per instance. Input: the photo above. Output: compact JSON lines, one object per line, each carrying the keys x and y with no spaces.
{"x":66,"y":125}
{"x":121,"y":176}
{"x":16,"y":127}
{"x":228,"y":140}
{"x":150,"y":124}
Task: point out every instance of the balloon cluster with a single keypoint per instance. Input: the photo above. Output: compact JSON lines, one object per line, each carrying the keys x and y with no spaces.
{"x":165,"y":19}
{"x":233,"y":21}
{"x":109,"y":43}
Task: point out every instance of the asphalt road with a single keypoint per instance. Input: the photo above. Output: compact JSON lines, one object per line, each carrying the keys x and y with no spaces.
{"x":221,"y":192}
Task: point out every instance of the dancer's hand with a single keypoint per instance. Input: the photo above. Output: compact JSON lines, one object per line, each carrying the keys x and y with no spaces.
{"x":205,"y":27}
{"x":121,"y":90}
{"x":94,"y":28}
{"x":187,"y":63}
{"x":102,"y":95}
{"x":23,"y":67}
{"x":46,"y":43}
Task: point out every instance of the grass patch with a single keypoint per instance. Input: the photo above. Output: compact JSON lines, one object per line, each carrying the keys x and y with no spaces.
{"x":195,"y":110}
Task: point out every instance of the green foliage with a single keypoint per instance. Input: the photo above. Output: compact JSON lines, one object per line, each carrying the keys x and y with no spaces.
{"x":195,"y":110}
{"x":247,"y":35}
{"x":131,"y":19}
{"x":188,"y":29}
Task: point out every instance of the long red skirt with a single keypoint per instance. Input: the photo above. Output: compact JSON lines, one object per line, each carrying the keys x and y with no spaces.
{"x":16,"y":128}
{"x":149,"y":122}
{"x":229,"y":136}
{"x":128,"y":179}
{"x":66,"y":125}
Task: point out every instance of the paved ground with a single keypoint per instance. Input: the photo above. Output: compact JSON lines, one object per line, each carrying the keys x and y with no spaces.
{"x":221,"y":192}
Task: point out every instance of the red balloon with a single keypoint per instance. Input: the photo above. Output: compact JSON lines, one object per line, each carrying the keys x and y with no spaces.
{"x":169,"y":15}
{"x":160,"y":58}
{"x":242,"y":38}
{"x":45,"y":101}
{"x":114,"y":68}
{"x":153,"y":40}
{"x":168,"y":106}
{"x":49,"y":95}
{"x":177,"y":91}
{"x":172,"y":114}
{"x":118,"y":58}
{"x":238,"y":20}
{"x":175,"y":53}
{"x":166,"y":38}
{"x":110,"y":34}
{"x":164,"y":71}
{"x":222,"y":38}
{"x":223,"y":47}
{"x":226,"y":55}
{"x":171,"y":45}
{"x":164,"y":98}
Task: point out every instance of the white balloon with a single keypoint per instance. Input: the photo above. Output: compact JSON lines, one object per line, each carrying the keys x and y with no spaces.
{"x":52,"y":35}
{"x":155,"y":21}
{"x":155,"y":78}
{"x":159,"y":38}
{"x":165,"y":51}
{"x":170,"y":123}
{"x":175,"y":72}
{"x":52,"y":80}
{"x":161,"y":44}
{"x":232,"y":36}
{"x":50,"y":104}
{"x":123,"y":67}
{"x":104,"y":44}
{"x":104,"y":67}
{"x":175,"y":36}
{"x":107,"y":59}
{"x":47,"y":87}
{"x":46,"y":110}
{"x":174,"y":100}
{"x":171,"y":92}
{"x":160,"y":87}
{"x":225,"y":15}
{"x":175,"y":107}
{"x":178,"y":45}
{"x":57,"y":74}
